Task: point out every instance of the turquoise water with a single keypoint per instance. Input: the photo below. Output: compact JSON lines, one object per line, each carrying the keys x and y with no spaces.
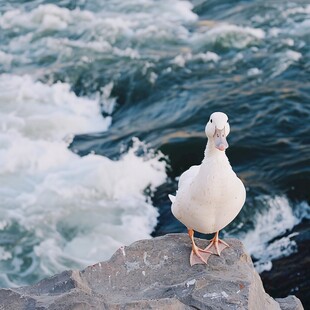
{"x":103,"y":105}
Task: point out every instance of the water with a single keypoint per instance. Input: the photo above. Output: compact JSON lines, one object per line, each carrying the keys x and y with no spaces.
{"x":103,"y":106}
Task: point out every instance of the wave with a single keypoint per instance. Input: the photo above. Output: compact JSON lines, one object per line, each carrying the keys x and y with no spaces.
{"x":270,"y":238}
{"x":169,"y":66}
{"x":120,"y":32}
{"x":228,"y":35}
{"x":61,"y":209}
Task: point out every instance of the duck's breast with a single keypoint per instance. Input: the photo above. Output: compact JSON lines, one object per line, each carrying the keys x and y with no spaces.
{"x":211,"y":201}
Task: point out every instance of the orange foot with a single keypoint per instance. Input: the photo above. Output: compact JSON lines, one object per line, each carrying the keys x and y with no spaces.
{"x":216,"y":245}
{"x":198,"y":255}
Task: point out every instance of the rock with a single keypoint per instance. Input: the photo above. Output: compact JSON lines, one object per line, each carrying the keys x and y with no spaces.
{"x":153,"y":274}
{"x":289,"y":303}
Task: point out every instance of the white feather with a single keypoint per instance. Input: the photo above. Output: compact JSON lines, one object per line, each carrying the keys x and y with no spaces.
{"x":211,"y":195}
{"x":172,"y":198}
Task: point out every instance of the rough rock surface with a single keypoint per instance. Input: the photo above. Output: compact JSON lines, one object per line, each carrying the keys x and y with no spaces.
{"x":154,"y":274}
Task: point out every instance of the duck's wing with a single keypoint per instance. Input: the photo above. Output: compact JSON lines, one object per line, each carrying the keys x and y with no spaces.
{"x":185,"y":178}
{"x":188,"y":175}
{"x":172,"y":198}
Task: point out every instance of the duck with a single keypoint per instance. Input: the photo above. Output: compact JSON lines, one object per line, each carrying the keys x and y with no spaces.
{"x":209,"y":195}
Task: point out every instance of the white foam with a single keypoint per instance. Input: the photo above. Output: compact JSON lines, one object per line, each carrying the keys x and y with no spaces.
{"x":103,"y":30}
{"x":293,"y":55}
{"x":3,"y":224}
{"x":76,"y":210}
{"x":35,"y":110}
{"x":107,"y":102}
{"x":254,"y":72}
{"x":44,"y":17}
{"x":284,"y":61}
{"x":152,"y":77}
{"x":274,"y":32}
{"x":229,"y":35}
{"x":299,"y":25}
{"x":282,"y":247}
{"x":181,"y":59}
{"x":208,"y":56}
{"x":5,"y":59}
{"x":288,"y":42}
{"x":301,"y":29}
{"x":263,"y":241}
{"x":4,"y":255}
{"x":296,"y":10}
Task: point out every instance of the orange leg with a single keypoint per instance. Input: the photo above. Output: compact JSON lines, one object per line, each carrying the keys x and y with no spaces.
{"x":216,"y":245}
{"x":198,"y":255}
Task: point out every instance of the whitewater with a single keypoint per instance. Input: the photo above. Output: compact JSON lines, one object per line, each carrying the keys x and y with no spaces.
{"x":101,"y":100}
{"x":69,"y":210}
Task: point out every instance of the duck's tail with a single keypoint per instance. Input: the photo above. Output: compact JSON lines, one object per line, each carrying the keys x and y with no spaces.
{"x":172,"y":198}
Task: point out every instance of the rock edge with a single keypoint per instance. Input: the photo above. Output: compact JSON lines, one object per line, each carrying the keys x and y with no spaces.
{"x":154,"y":274}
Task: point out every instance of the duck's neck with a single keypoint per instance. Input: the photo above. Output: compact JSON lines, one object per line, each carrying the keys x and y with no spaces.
{"x":213,"y":164}
{"x":213,"y":154}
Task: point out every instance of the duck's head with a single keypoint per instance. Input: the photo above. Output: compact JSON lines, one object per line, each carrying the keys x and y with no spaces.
{"x":218,"y":129}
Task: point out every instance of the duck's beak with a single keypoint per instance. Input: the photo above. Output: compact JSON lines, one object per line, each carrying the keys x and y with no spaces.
{"x":220,"y":139}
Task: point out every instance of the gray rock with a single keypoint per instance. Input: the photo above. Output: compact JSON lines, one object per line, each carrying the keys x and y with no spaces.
{"x":154,"y":274}
{"x":290,"y":303}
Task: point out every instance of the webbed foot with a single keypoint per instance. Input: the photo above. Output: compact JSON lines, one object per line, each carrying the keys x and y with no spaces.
{"x":198,"y":255}
{"x":216,"y":245}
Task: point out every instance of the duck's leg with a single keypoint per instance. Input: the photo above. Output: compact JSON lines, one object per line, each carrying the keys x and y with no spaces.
{"x":216,"y":245}
{"x":198,"y":255}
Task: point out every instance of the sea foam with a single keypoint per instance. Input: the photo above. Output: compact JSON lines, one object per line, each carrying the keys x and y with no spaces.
{"x":229,"y":35}
{"x":72,"y":40}
{"x":268,"y":240}
{"x":70,"y":210}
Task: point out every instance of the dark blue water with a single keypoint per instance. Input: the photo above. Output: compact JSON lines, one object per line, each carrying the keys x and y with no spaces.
{"x":158,"y":69}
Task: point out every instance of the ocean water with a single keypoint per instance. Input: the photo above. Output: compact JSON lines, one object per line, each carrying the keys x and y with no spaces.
{"x":103,"y":105}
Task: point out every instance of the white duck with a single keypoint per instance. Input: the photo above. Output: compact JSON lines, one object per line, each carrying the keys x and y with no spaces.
{"x":210,"y":195}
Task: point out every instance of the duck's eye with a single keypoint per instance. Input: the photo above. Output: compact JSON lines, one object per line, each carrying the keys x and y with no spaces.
{"x":211,"y":120}
{"x":228,"y":121}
